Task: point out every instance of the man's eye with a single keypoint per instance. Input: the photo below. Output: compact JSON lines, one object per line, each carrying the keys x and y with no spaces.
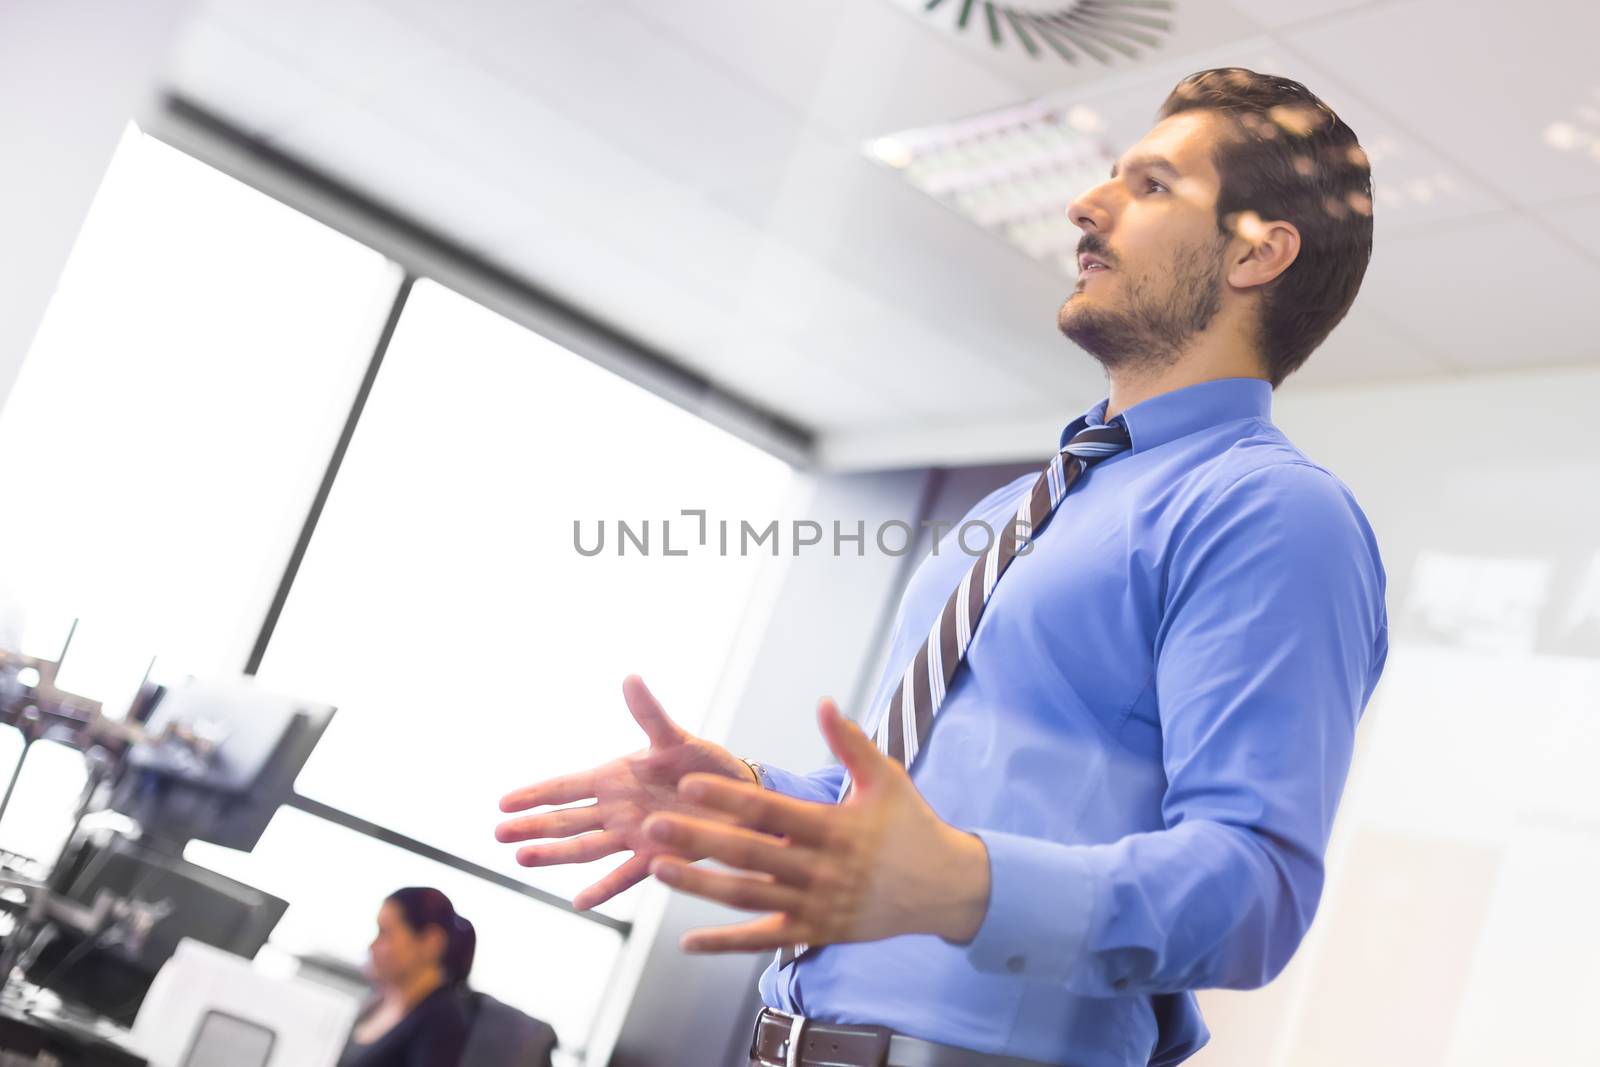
{"x":1158,"y":185}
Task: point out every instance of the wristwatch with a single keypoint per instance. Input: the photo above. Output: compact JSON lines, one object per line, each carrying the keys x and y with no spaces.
{"x":755,"y":769}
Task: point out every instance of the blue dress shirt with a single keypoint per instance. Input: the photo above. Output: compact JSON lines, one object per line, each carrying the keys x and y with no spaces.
{"x":1150,"y":734}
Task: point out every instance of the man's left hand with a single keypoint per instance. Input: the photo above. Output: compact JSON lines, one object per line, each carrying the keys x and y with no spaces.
{"x":878,"y":865}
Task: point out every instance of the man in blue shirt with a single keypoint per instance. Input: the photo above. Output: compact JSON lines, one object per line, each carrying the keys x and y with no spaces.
{"x":1131,"y":781}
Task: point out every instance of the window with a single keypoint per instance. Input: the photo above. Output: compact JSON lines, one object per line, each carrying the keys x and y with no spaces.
{"x":443,"y":607}
{"x":175,"y":414}
{"x":167,"y":436}
{"x":38,"y":814}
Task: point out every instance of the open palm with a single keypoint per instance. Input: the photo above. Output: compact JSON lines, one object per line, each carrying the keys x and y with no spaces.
{"x":624,"y":792}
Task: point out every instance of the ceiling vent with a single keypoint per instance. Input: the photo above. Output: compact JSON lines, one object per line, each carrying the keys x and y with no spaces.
{"x":1071,"y":30}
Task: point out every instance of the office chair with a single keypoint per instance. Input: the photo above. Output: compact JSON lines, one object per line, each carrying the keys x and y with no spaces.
{"x":502,"y":1036}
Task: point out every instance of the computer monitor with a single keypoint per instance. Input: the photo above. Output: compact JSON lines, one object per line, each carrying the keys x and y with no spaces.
{"x":259,"y":741}
{"x":156,"y":901}
{"x":226,"y":1040}
{"x":210,"y":1009}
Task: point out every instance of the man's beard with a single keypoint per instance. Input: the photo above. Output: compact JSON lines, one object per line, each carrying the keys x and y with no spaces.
{"x":1151,"y":330}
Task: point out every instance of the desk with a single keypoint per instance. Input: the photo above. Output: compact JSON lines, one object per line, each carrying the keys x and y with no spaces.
{"x":30,"y":1040}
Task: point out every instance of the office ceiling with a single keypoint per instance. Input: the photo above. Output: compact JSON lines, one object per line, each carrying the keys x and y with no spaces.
{"x":693,"y":173}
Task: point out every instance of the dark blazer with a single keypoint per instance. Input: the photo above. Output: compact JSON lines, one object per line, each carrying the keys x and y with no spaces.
{"x":433,"y":1034}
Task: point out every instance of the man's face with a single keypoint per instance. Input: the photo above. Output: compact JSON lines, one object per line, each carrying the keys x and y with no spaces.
{"x":1154,"y":226}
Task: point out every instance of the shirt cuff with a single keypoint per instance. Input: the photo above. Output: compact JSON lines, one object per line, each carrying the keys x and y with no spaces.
{"x":821,"y":787}
{"x":1041,"y":904}
{"x":781,"y":781}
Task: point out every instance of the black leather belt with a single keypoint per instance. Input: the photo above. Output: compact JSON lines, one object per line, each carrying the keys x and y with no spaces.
{"x":783,"y":1040}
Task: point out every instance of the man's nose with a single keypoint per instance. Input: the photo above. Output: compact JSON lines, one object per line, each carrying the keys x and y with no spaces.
{"x":1088,"y":211}
{"x":1086,"y":218}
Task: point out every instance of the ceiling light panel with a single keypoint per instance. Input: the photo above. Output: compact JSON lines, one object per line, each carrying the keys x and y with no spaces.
{"x":1012,"y":172}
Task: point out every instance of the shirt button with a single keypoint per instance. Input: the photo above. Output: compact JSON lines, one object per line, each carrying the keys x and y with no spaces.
{"x":1015,"y":964}
{"x":1120,"y":983}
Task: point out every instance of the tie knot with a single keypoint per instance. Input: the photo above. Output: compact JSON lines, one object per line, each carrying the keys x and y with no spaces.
{"x":1094,"y":443}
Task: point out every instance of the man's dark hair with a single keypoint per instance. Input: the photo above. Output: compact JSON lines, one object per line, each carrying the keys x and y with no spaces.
{"x":1289,"y":158}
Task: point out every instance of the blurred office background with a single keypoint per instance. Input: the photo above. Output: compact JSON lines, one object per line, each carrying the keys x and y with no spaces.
{"x":323,"y":322}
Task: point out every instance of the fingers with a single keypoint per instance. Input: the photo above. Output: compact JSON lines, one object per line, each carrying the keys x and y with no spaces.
{"x":564,"y":790}
{"x":744,"y":891}
{"x":578,"y":850}
{"x":758,"y":935}
{"x":625,"y":876}
{"x":648,"y":713}
{"x":851,"y":744}
{"x":756,"y":808}
{"x":562,"y":823}
{"x":732,"y":845}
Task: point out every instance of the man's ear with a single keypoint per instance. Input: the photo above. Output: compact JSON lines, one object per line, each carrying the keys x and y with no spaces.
{"x":1264,"y":249}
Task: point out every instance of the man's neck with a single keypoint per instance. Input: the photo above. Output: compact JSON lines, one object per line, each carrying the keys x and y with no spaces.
{"x":1226,"y":350}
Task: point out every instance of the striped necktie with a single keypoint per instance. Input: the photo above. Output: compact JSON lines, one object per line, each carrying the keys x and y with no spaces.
{"x":903,"y":728}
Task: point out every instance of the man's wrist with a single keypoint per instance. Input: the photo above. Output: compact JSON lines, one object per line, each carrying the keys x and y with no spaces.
{"x":969,"y":889}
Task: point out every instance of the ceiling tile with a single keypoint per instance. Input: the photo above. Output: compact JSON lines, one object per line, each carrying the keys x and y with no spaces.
{"x":809,"y":385}
{"x":631,"y":85}
{"x":256,"y":88}
{"x":1413,"y":185}
{"x":869,"y":227}
{"x":930,"y":375}
{"x":794,"y":292}
{"x":1490,"y":294}
{"x":520,"y":142}
{"x":884,"y":73}
{"x":607,"y":281}
{"x":1578,"y":221}
{"x":1281,"y":13}
{"x":789,"y":51}
{"x":355,"y":45}
{"x":663,"y":267}
{"x":427,"y":182}
{"x":1481,"y":81}
{"x":1366,"y":347}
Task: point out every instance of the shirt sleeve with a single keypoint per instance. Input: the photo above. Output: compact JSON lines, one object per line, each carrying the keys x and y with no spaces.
{"x":822,"y":786}
{"x":1272,"y":636}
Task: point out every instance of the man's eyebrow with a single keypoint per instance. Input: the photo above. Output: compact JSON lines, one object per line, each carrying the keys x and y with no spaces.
{"x":1150,"y":162}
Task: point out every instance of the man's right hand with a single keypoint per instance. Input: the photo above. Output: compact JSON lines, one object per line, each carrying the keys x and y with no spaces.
{"x":625,"y":791}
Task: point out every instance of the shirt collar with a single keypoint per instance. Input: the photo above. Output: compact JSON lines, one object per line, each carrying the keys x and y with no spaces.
{"x":1180,"y":412}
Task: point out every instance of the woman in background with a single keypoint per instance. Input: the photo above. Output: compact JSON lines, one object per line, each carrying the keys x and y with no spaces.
{"x":419,"y":966}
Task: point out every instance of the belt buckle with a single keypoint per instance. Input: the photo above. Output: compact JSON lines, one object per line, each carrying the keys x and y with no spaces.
{"x":791,"y":1046}
{"x":858,"y":1044}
